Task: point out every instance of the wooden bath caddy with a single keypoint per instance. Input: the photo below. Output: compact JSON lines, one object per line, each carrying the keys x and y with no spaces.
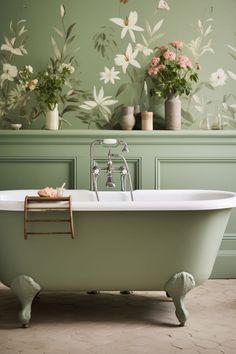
{"x":34,"y":204}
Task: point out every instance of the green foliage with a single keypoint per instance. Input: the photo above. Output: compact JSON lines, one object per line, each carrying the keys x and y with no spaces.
{"x":104,"y":42}
{"x":15,"y":95}
{"x":51,"y":83}
{"x":57,"y":83}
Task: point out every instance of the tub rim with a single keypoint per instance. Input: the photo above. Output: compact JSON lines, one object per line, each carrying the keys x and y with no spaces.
{"x":224,"y":200}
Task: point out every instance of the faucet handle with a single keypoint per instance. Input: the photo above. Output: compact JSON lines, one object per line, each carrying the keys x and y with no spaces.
{"x":96,"y":170}
{"x":123,"y":170}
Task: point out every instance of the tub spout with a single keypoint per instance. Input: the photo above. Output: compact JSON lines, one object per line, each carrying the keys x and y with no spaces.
{"x":109,"y":182}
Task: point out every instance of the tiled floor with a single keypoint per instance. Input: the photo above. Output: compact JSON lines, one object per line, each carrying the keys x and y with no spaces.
{"x":110,"y":323}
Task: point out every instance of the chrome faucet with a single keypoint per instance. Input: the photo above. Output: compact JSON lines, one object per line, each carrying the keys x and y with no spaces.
{"x":109,"y":182}
{"x":109,"y":170}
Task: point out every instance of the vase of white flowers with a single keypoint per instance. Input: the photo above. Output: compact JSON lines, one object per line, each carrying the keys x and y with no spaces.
{"x":49,"y":89}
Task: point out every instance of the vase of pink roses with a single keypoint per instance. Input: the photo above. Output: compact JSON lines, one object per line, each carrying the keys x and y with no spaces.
{"x":172,"y":75}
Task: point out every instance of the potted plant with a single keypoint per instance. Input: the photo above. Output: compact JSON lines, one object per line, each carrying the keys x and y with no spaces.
{"x":172,"y":75}
{"x":51,"y":83}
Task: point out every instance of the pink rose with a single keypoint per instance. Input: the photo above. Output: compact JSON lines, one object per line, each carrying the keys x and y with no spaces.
{"x":184,"y":62}
{"x":169,"y":55}
{"x":152,"y":70}
{"x":163,"y":48}
{"x":155,"y":61}
{"x":177,"y":44}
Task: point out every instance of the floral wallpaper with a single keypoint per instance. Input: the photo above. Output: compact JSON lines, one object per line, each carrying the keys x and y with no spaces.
{"x":109,"y":47}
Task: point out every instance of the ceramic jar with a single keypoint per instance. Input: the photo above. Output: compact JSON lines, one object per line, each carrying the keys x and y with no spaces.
{"x":147,"y":120}
{"x":173,"y":112}
{"x":127,"y":120}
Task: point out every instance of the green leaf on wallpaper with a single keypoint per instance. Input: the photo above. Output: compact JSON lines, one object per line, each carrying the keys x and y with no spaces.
{"x":208,"y":30}
{"x":122,"y":88}
{"x":104,"y":42}
{"x":66,"y":121}
{"x":156,"y":37}
{"x":233,"y":55}
{"x":69,"y":30}
{"x":72,"y":99}
{"x":22,"y":31}
{"x":69,"y":40}
{"x":12,"y":28}
{"x":232,"y":48}
{"x":187,"y":116}
{"x":61,"y":34}
{"x":70,"y":108}
{"x":55,"y":48}
{"x":157,"y":27}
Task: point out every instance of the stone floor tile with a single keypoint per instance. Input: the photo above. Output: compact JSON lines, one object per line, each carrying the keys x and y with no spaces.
{"x":109,"y":323}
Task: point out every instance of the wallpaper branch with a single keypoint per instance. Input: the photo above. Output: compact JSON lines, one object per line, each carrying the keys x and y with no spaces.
{"x":100,"y":59}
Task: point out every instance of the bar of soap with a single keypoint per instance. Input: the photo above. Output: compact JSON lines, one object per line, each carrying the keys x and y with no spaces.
{"x":47,"y":192}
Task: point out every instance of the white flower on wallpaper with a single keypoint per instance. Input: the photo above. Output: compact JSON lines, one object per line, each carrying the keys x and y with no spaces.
{"x":109,"y":75}
{"x":10,"y":43}
{"x":99,"y":101}
{"x":163,"y":5}
{"x":128,"y":58}
{"x":9,"y":72}
{"x":218,"y":78}
{"x":128,"y":24}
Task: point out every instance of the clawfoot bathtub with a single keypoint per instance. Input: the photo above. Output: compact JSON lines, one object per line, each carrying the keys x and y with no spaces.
{"x":163,"y":240}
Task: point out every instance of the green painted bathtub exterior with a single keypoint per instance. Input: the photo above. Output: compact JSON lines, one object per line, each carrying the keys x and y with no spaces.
{"x":158,"y":160}
{"x":120,"y":250}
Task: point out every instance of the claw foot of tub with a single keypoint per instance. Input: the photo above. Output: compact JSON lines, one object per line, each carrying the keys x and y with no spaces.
{"x":25,"y":289}
{"x":177,"y":287}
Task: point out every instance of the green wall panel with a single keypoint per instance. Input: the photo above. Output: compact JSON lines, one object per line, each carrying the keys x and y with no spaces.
{"x":22,"y":173}
{"x":215,"y":173}
{"x":218,"y":174}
